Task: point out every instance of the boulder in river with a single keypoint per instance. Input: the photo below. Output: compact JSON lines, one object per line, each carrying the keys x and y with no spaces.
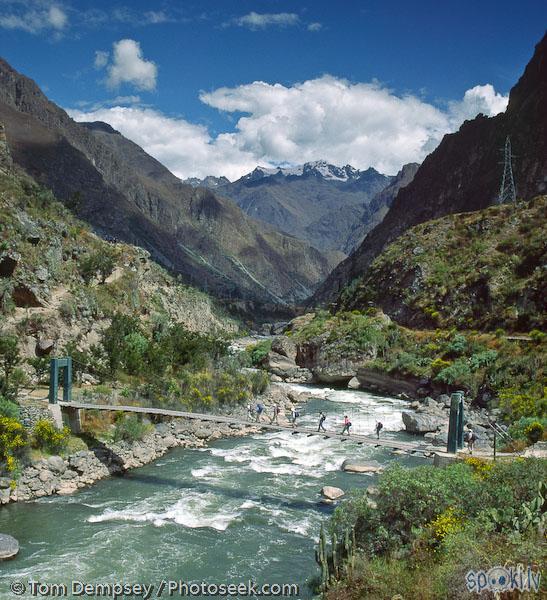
{"x":353,"y":384}
{"x":9,"y":546}
{"x":331,"y":493}
{"x":356,"y":467}
{"x":422,"y":423}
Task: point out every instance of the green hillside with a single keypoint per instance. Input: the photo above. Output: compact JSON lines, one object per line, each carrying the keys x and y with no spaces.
{"x":480,"y":270}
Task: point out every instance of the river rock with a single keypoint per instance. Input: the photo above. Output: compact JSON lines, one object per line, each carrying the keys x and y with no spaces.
{"x":56,"y":464}
{"x":285,"y":346}
{"x":265,"y":329}
{"x":279,"y":327}
{"x":353,"y":384}
{"x":286,"y":368}
{"x":9,"y":546}
{"x":422,"y":423}
{"x":331,"y":493}
{"x":355,"y":467}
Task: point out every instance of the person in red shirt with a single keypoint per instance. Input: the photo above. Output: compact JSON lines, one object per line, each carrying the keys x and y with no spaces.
{"x":347,"y":425}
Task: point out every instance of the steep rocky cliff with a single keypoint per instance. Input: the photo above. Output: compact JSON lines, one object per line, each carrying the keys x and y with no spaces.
{"x":379,"y":205}
{"x":480,"y":270}
{"x":464,"y":172}
{"x":60,"y":283}
{"x":123,"y":192}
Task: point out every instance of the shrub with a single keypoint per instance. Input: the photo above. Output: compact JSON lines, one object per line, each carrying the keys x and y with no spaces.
{"x":259,"y":351}
{"x":47,"y":437}
{"x":534,"y":432}
{"x":40,"y":366}
{"x":537,"y":336}
{"x":101,"y":263}
{"x":457,"y":373}
{"x":482,"y":359}
{"x":9,"y":409}
{"x":445,"y":524}
{"x":457,"y":345}
{"x":130,"y":429}
{"x":438,"y":364}
{"x":517,"y":403}
{"x":12,"y":440}
{"x":518,"y":430}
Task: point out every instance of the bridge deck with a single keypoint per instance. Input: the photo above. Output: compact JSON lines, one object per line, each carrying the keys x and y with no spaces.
{"x":383,"y":442}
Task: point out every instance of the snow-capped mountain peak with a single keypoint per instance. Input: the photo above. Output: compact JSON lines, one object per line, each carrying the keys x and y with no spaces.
{"x":318,"y":168}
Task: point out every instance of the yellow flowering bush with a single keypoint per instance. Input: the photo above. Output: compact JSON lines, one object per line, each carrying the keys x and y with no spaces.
{"x":48,"y":437}
{"x":12,"y":439}
{"x":447,"y":523}
{"x":480,"y":467}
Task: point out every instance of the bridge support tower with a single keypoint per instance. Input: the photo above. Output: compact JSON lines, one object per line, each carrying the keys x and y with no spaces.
{"x":455,"y":423}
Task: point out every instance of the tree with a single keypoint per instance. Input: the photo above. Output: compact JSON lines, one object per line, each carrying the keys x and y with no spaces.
{"x":10,"y":375}
{"x":101,"y":263}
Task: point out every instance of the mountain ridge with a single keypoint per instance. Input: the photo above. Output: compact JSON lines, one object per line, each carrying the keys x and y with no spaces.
{"x":463,"y":173}
{"x":123,"y":192}
{"x":316,"y":201}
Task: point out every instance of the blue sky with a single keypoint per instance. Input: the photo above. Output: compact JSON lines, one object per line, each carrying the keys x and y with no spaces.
{"x":339,"y":78}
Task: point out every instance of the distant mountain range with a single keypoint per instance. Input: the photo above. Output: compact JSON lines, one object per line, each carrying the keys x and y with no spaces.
{"x":464,"y":172}
{"x":122,"y":191}
{"x":317,"y":201}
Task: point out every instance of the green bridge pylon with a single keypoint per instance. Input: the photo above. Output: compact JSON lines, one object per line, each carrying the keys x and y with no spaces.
{"x":455,"y":423}
{"x":54,"y":366}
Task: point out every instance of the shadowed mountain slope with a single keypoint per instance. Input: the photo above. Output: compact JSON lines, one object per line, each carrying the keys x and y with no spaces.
{"x":123,"y":192}
{"x":464,"y":172}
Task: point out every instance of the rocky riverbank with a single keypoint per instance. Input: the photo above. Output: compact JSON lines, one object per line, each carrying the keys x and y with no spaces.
{"x":65,"y":475}
{"x":319,"y":360}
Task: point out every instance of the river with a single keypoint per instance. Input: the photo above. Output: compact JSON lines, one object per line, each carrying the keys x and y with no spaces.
{"x":241,"y":508}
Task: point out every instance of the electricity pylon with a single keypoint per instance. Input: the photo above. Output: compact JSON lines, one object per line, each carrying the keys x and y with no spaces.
{"x":507,"y":188}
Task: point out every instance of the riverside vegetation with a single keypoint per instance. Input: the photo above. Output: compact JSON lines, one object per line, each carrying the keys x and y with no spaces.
{"x":134,"y":332}
{"x":420,"y":531}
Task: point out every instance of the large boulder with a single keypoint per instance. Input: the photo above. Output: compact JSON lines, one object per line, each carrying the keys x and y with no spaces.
{"x":331,"y":493}
{"x":330,"y":362}
{"x":280,"y":327}
{"x":285,"y":368}
{"x":9,"y":546}
{"x":353,"y":384}
{"x":285,"y":346}
{"x":44,"y":346}
{"x":422,"y":423}
{"x":350,"y":466}
{"x":26,"y":296}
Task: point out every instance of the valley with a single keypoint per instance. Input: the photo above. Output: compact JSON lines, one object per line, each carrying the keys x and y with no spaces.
{"x":399,"y":310}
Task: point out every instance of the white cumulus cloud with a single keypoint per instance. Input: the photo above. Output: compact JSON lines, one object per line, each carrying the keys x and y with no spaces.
{"x":127,"y":66}
{"x":479,"y":99}
{"x":187,"y":149}
{"x":362,"y":124}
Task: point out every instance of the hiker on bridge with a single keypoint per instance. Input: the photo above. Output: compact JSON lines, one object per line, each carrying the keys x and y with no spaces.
{"x":379,"y":427}
{"x":322,"y":418}
{"x":259,"y":410}
{"x":275,"y":414}
{"x":294,"y":415}
{"x":347,"y":425}
{"x":250,"y":412}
